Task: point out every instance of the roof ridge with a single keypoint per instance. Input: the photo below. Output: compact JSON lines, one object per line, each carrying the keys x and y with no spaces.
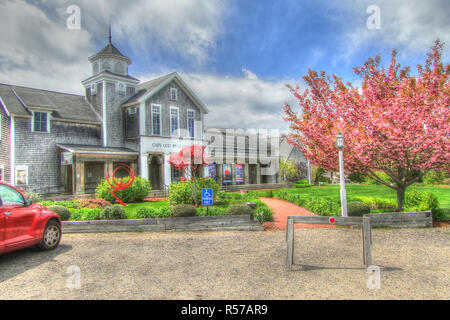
{"x":172,"y":73}
{"x":45,"y":90}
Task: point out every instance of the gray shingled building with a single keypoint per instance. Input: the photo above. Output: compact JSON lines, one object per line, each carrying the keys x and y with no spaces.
{"x":55,"y":142}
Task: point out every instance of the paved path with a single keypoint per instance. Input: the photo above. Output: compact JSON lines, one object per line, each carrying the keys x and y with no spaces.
{"x":281,"y":210}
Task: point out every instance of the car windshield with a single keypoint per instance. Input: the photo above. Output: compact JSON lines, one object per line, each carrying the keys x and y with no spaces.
{"x":10,"y":197}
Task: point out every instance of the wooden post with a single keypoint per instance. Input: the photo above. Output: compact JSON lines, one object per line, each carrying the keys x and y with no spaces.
{"x":290,"y":244}
{"x":367,"y":241}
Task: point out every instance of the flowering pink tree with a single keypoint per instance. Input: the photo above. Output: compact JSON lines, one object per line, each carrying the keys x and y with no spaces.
{"x":395,"y":122}
{"x":190,"y":159}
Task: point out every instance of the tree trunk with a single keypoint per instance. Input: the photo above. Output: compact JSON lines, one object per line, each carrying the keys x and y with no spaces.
{"x":400,"y":198}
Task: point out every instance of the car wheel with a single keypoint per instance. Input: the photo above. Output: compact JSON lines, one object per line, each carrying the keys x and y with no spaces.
{"x":51,"y":237}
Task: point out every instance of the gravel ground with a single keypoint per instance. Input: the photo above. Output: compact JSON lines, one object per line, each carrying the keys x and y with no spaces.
{"x":233,"y":265}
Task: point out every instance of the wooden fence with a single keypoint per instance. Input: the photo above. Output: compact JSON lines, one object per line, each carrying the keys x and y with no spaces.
{"x":393,"y":220}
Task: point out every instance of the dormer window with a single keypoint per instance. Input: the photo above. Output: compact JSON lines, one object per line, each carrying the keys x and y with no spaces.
{"x":106,"y":66}
{"x":93,"y":89}
{"x":40,"y":122}
{"x":173,"y":94}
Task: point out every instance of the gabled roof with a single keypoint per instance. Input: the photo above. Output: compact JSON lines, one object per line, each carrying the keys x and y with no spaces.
{"x":150,"y":88}
{"x":20,"y":101}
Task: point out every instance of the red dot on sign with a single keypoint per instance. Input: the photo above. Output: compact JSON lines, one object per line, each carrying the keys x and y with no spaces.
{"x":332,"y":220}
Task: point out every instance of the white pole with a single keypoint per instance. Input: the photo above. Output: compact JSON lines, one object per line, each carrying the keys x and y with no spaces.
{"x":342,"y":177}
{"x":309,"y":172}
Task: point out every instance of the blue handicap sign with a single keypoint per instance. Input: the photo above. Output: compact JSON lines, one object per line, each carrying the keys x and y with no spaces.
{"x":207,"y":197}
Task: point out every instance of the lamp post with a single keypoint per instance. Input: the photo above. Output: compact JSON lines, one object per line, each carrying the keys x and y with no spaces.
{"x":340,"y":143}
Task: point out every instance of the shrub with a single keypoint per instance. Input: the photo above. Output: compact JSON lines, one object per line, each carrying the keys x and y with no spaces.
{"x":378,"y":203}
{"x":416,"y":200}
{"x":441,"y":215}
{"x":323,"y":206}
{"x":137,"y":192}
{"x":263,"y":211}
{"x":180,"y":193}
{"x":93,"y":203}
{"x":211,"y":211}
{"x":113,"y":213}
{"x":203,"y":183}
{"x":302,"y":184}
{"x":146,"y":213}
{"x":63,"y":212}
{"x":435,"y":177}
{"x":68,"y":205}
{"x":184,"y":210}
{"x":33,"y":196}
{"x":239,"y":209}
{"x":84,"y":214}
{"x":164,"y":212}
{"x":357,"y":209}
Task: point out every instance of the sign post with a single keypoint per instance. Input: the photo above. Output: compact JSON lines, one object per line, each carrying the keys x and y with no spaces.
{"x":207,"y":198}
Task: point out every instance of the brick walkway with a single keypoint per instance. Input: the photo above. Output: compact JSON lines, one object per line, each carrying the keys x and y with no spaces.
{"x":281,"y":210}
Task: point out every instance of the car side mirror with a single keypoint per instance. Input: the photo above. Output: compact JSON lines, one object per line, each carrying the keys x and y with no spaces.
{"x":28,"y":202}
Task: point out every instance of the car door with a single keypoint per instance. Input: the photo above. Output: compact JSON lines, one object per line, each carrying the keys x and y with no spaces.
{"x":2,"y":228}
{"x":17,"y":217}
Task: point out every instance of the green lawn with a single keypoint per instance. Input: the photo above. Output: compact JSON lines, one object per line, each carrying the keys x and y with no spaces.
{"x":377,"y":191}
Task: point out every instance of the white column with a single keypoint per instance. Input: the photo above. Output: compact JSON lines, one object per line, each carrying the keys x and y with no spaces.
{"x":143,"y":165}
{"x":167,"y":175}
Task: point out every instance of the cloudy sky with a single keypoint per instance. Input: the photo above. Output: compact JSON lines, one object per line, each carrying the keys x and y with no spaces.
{"x":237,"y":55}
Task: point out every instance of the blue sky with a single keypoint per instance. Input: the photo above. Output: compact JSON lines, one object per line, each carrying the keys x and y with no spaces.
{"x":237,"y":55}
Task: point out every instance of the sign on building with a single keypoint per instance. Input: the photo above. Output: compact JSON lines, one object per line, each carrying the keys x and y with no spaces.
{"x":66,"y":158}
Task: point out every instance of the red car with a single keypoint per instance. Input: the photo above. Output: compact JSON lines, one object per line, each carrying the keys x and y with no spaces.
{"x":24,"y":224}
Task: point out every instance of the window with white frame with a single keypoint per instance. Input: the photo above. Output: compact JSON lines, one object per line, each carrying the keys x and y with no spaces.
{"x":174,"y":121}
{"x":21,"y":175}
{"x":132,"y":110}
{"x":174,"y":94}
{"x":40,"y":122}
{"x":191,"y":123}
{"x":156,"y":119}
{"x":2,"y":173}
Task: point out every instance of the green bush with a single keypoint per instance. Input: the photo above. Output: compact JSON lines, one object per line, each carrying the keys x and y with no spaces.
{"x":416,"y":201}
{"x":323,"y":206}
{"x":239,"y":209}
{"x":441,"y":215}
{"x":435,"y":177}
{"x":211,"y":211}
{"x":146,"y":213}
{"x":180,"y":193}
{"x":378,"y":203}
{"x":137,"y":192}
{"x":63,"y":212}
{"x":116,"y":212}
{"x":302,"y":184}
{"x":84,"y":214}
{"x":203,"y":183}
{"x":263,"y":212}
{"x":184,"y":210}
{"x":68,"y":205}
{"x":33,"y":196}
{"x":357,"y":209}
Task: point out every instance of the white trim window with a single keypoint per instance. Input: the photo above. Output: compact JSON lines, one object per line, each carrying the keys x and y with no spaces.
{"x":174,"y":121}
{"x":132,"y":110}
{"x":156,"y":119}
{"x":2,"y":172}
{"x":174,"y":94}
{"x":191,"y":123}
{"x":21,"y":175}
{"x":40,"y":122}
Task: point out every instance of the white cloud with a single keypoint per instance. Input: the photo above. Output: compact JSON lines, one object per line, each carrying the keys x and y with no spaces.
{"x":242,"y":102}
{"x":410,"y":26}
{"x":38,"y":50}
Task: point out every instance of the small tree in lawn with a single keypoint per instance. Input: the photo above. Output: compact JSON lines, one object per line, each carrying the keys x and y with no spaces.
{"x":190,"y":159}
{"x":395,"y":122}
